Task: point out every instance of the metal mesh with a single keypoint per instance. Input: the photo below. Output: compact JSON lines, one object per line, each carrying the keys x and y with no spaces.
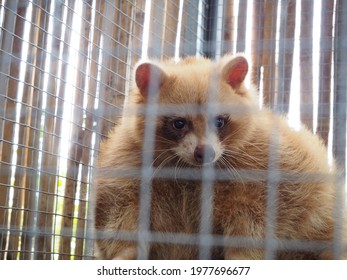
{"x":65,"y":71}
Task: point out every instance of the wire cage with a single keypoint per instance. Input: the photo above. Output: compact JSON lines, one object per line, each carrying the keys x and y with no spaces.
{"x":65,"y":72}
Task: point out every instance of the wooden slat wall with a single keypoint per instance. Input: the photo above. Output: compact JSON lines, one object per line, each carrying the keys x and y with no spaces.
{"x":273,"y":61}
{"x":45,"y":179}
{"x":47,"y":216}
{"x":163,"y":28}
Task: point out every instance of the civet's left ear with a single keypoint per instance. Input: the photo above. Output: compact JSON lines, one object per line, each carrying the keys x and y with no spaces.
{"x":235,"y":71}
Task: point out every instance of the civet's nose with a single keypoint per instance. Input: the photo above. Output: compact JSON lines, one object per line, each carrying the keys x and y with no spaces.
{"x":204,"y":154}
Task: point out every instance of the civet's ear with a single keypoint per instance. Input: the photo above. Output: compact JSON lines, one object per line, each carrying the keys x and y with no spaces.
{"x":235,"y":71}
{"x":149,"y":77}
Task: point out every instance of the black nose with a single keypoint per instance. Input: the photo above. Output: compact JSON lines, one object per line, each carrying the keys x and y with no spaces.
{"x":204,"y":154}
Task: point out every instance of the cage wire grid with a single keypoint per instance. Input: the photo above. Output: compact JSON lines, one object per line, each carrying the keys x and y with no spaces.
{"x":65,"y":72}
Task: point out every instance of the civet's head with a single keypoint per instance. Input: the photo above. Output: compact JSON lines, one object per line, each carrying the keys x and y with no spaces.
{"x":203,"y":108}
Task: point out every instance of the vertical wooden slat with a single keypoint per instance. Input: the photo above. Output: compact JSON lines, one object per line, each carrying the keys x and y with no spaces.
{"x":189,"y":28}
{"x":90,"y":117}
{"x":81,"y":136}
{"x":69,"y":200}
{"x":32,"y":96}
{"x":325,"y":68}
{"x":54,"y":114}
{"x":286,"y":51}
{"x":306,"y":73}
{"x":86,"y":139}
{"x":138,"y":16}
{"x":41,"y":25}
{"x":340,"y":85}
{"x":156,"y":31}
{"x":50,"y":145}
{"x":107,"y":93}
{"x":339,"y":125}
{"x":28,"y":143}
{"x":8,"y":29}
{"x":257,"y":41}
{"x":170,"y":27}
{"x":80,"y":249}
{"x":118,"y":61}
{"x":8,"y":113}
{"x":72,"y":165}
{"x":228,"y":26}
{"x":73,"y":169}
{"x":48,"y":178}
{"x":210,"y":28}
{"x":269,"y":50}
{"x":241,"y":26}
{"x":16,"y":213}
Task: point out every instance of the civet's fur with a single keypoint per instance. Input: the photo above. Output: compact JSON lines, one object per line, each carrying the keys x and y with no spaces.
{"x":235,"y":137}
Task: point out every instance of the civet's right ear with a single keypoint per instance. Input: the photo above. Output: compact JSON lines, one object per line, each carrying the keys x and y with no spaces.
{"x":149,"y":77}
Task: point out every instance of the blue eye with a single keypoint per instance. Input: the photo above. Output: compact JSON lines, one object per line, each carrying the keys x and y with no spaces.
{"x":219,"y":122}
{"x":179,"y":124}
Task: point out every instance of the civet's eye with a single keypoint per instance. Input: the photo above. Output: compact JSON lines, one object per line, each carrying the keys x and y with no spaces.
{"x":179,"y":124}
{"x":219,"y":122}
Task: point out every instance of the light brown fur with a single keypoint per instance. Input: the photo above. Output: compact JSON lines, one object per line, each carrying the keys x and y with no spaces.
{"x":305,"y":208}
